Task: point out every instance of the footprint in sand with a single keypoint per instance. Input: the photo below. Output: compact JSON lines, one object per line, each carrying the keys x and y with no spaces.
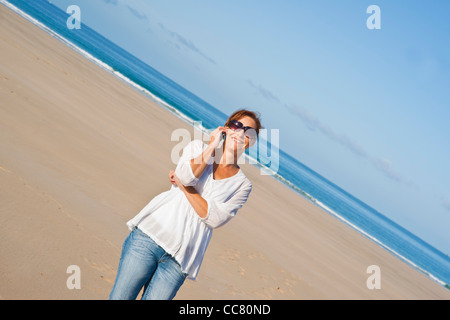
{"x":241,"y":271}
{"x":104,"y":269}
{"x":233,"y":254}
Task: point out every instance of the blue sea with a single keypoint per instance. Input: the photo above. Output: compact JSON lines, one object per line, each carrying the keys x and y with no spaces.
{"x":289,"y":171}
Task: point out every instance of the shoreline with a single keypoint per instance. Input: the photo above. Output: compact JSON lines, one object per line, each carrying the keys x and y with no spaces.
{"x":78,"y":156}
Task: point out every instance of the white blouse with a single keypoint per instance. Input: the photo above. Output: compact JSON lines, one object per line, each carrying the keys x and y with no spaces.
{"x":173,"y":224}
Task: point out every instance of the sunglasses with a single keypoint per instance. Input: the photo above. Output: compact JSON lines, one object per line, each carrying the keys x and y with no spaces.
{"x":249,"y":132}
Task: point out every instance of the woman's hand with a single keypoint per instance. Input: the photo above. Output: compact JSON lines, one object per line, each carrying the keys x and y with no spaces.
{"x":173,"y":178}
{"x":216,"y":136}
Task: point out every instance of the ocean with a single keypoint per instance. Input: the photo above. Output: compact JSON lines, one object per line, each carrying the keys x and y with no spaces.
{"x":192,"y":109}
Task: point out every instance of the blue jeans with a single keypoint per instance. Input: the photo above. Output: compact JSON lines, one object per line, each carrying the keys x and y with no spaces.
{"x":144,"y":264}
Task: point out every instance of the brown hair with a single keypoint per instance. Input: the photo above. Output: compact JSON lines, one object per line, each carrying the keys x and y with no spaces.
{"x":239,"y":114}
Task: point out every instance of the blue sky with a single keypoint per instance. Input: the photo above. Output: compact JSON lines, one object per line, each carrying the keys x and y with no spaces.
{"x":367,"y":109}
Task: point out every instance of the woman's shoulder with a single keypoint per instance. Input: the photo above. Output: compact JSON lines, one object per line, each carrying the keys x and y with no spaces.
{"x":197,"y":144}
{"x":193,"y":148}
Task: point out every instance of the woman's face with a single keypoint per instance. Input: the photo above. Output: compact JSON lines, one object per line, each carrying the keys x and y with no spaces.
{"x":238,"y":140}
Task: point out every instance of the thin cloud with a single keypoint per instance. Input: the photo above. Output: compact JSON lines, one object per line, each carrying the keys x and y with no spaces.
{"x":180,"y":41}
{"x":446,"y":203}
{"x":383,"y":165}
{"x":263,"y":91}
{"x":113,"y":2}
{"x":140,"y":16}
{"x":314,"y":124}
{"x":186,"y":43}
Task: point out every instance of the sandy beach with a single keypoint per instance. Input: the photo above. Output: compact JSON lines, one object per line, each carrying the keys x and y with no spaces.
{"x":81,"y":153}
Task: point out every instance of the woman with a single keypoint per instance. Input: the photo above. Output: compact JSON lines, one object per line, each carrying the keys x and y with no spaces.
{"x":169,"y":237}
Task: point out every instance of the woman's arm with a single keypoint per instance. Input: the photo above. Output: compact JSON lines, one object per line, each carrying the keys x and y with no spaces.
{"x":198,"y":164}
{"x":197,"y":202}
